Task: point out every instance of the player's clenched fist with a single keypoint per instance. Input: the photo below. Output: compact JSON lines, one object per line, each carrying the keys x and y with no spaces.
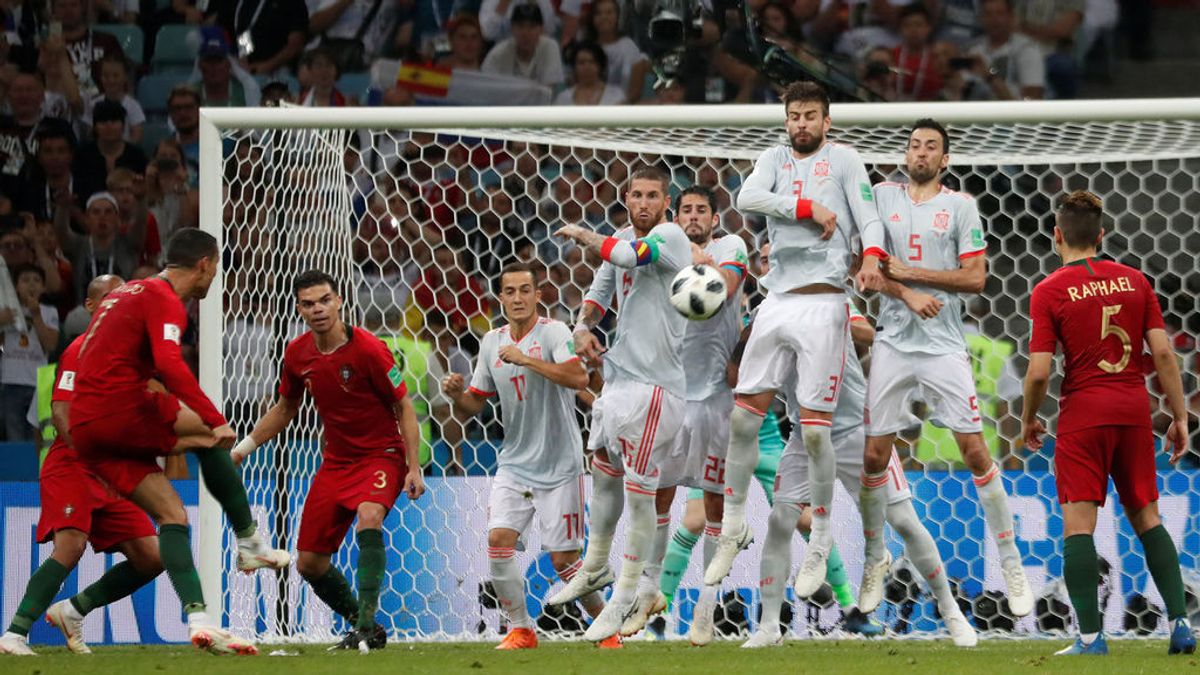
{"x":870,"y":276}
{"x":414,"y":483}
{"x":513,"y":354}
{"x":825,"y":218}
{"x":587,"y":346}
{"x":1032,"y":433}
{"x":453,"y":385}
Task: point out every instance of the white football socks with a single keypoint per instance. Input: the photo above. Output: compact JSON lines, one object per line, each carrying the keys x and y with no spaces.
{"x":822,"y":471}
{"x":872,"y":503}
{"x":740,"y":462}
{"x":923,"y":552}
{"x":712,"y":534}
{"x":776,"y":564}
{"x":997,"y":513}
{"x":638,"y":545}
{"x":652,"y":574}
{"x":509,"y":585}
{"x":604,"y":510}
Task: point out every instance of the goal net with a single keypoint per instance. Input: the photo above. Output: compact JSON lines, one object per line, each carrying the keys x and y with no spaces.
{"x":415,"y":211}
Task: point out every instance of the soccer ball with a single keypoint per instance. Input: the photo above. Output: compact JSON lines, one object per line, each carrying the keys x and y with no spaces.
{"x":698,"y":292}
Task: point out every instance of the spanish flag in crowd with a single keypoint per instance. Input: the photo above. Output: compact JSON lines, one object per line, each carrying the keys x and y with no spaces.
{"x":432,"y":85}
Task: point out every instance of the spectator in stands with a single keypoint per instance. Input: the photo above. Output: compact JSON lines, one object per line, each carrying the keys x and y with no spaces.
{"x":963,"y":77}
{"x":779,"y":26}
{"x":1052,"y":23}
{"x":959,"y":22}
{"x":385,"y":282}
{"x":448,"y":357}
{"x":20,"y":248}
{"x":353,"y":32}
{"x":528,"y":53}
{"x":323,"y":75}
{"x":273,"y":93}
{"x":919,"y":77}
{"x":30,"y":110}
{"x":25,"y":23}
{"x":447,"y":287}
{"x":53,"y":173}
{"x":114,"y":85}
{"x":466,"y":43}
{"x":130,"y":191}
{"x":589,"y":64}
{"x":627,"y":65}
{"x":171,"y":201}
{"x":25,"y":351}
{"x":877,"y":72}
{"x":183,"y":108}
{"x":54,"y":62}
{"x":222,"y":81}
{"x":109,"y":150}
{"x":269,"y":34}
{"x":847,"y":27}
{"x":491,"y":242}
{"x":497,"y":18}
{"x":86,"y":46}
{"x":1010,"y":62}
{"x":104,"y":249}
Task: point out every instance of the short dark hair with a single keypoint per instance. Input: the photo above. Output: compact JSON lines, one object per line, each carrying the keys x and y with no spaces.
{"x":26,"y":269}
{"x":47,"y":132}
{"x":516,"y":267}
{"x":598,"y":54}
{"x":915,"y":9}
{"x":188,"y":246}
{"x":805,"y":91}
{"x":930,"y":123}
{"x":651,"y":172}
{"x":1079,"y":216}
{"x":183,"y":90}
{"x":701,"y":190}
{"x":311,"y":278}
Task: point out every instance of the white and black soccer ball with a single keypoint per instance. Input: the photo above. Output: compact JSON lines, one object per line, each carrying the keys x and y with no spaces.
{"x":698,"y":292}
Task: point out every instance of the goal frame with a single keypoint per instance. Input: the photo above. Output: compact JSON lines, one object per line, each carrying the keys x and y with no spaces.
{"x":213,"y":121}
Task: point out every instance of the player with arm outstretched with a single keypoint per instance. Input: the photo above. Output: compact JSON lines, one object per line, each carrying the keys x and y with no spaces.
{"x":371,"y":455}
{"x":642,"y":400}
{"x":931,"y":242}
{"x":1102,"y":313}
{"x":530,"y":364}
{"x":78,"y":509}
{"x":815,"y":196}
{"x":120,"y":427}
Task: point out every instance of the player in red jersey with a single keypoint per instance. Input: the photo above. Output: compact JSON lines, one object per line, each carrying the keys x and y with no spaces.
{"x":1101,"y":312}
{"x":371,"y":450}
{"x":120,"y":427}
{"x":77,"y":508}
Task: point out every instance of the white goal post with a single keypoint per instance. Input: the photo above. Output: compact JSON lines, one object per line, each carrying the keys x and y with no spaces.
{"x":1141,"y":156}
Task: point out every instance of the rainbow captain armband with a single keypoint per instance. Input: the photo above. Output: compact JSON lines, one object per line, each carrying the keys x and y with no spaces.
{"x":634,"y":253}
{"x":736,"y":267}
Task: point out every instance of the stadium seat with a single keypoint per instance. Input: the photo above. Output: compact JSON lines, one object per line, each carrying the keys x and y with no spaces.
{"x":355,"y":84}
{"x":130,"y":37}
{"x":175,"y":48}
{"x":152,"y":91}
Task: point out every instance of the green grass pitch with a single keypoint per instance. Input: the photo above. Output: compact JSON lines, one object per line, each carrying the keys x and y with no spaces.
{"x":991,"y":657}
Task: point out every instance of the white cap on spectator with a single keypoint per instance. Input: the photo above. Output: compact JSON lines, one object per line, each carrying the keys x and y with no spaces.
{"x":97,"y":196}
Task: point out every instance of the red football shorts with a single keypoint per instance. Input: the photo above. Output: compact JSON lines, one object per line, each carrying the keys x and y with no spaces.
{"x":72,"y":498}
{"x":1084,"y":459}
{"x":124,"y":448}
{"x":337,"y":490}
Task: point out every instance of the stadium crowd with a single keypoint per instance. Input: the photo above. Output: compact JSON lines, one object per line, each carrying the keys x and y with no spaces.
{"x":99,"y":142}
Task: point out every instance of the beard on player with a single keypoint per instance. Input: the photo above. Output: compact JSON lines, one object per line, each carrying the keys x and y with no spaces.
{"x":806,"y":141}
{"x":922,"y":170}
{"x":698,"y":226}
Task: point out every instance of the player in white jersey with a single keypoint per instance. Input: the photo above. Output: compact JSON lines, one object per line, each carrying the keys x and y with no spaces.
{"x":930,"y":239}
{"x":793,"y":495}
{"x":642,"y":401}
{"x":816,"y":196}
{"x":531,"y":364}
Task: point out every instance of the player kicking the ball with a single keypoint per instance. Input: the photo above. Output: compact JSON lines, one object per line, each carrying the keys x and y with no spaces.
{"x":931,"y":239}
{"x":370,"y":456}
{"x":642,"y":398}
{"x":531,"y":365}
{"x":77,"y":509}
{"x":815,"y":196}
{"x":120,"y":427}
{"x":1101,"y":313}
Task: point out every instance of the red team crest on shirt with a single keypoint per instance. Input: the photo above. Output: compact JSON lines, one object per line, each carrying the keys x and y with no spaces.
{"x":535,"y":352}
{"x":941,"y":222}
{"x":821,"y":168}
